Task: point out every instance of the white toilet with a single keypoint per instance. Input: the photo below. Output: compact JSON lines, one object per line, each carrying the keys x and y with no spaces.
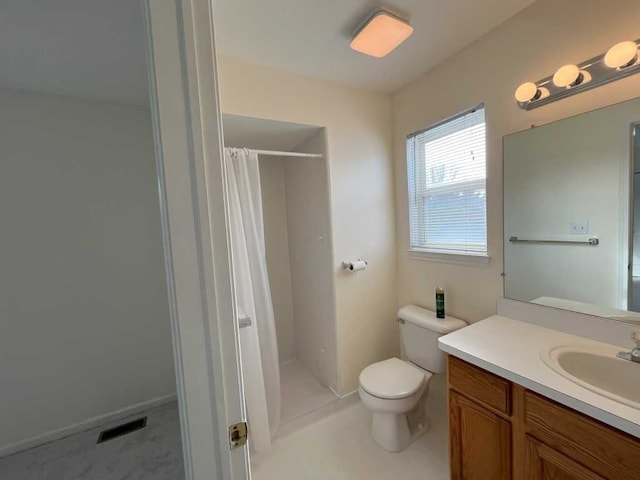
{"x":396,"y":390}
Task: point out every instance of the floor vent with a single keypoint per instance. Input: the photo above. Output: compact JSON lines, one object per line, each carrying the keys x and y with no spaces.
{"x":123,"y":429}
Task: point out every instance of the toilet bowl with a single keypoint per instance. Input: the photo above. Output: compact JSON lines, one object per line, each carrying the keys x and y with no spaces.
{"x":395,"y":390}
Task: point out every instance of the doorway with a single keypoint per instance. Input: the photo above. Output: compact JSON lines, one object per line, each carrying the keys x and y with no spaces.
{"x":87,"y":370}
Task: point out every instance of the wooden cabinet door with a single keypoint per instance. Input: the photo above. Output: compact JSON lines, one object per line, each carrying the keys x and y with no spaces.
{"x":544,"y":463}
{"x":480,"y":441}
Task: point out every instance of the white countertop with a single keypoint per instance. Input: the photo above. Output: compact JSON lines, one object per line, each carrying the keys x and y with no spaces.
{"x":511,"y":349}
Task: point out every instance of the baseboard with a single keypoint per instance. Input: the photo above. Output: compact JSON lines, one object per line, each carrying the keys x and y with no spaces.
{"x":342,"y":396}
{"x":89,"y":424}
{"x":340,"y":403}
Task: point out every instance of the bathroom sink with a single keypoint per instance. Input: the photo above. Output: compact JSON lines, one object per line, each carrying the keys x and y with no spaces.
{"x":597,"y":369}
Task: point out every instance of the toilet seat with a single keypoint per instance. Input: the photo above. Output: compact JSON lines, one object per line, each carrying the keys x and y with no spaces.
{"x":393,"y":379}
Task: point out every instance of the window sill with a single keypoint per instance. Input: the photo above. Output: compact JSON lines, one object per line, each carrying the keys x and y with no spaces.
{"x":440,"y":256}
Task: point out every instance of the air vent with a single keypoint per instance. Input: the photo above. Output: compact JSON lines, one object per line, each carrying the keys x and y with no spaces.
{"x":123,"y":429}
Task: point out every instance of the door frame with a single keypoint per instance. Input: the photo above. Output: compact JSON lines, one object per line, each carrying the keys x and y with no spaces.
{"x":187,"y":124}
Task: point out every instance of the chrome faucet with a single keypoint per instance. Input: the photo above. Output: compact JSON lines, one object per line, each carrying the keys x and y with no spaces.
{"x":634,"y":354}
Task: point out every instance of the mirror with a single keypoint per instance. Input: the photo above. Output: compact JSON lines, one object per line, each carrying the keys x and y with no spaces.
{"x":568,"y":213}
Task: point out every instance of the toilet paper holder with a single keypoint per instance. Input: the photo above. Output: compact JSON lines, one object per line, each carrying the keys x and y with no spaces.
{"x":355,"y":265}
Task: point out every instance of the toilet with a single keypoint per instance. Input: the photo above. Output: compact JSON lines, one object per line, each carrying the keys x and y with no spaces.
{"x":396,"y":390}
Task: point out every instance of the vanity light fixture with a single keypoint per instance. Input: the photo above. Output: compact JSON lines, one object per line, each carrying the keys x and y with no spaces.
{"x":528,"y":91}
{"x":621,"y":55}
{"x":381,"y":33}
{"x":618,"y":62}
{"x":568,"y":76}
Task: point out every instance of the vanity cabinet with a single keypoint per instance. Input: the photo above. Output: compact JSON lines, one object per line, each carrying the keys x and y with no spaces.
{"x":500,"y":431}
{"x":545,"y":463}
{"x":480,"y":441}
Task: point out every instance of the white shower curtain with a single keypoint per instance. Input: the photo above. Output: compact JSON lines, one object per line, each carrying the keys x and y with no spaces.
{"x":258,"y":343}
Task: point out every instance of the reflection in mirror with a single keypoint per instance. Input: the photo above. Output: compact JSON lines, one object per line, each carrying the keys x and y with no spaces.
{"x":634,"y":286}
{"x":567,"y":213}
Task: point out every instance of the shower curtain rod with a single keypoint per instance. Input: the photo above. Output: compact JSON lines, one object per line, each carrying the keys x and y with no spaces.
{"x":286,"y":154}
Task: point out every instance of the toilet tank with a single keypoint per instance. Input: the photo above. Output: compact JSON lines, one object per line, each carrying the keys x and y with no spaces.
{"x":420,"y":330}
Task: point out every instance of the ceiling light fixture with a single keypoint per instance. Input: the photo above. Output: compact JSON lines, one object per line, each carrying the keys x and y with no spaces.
{"x":381,"y":33}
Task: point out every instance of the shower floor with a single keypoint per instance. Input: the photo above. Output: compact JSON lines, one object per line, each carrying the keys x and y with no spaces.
{"x":302,"y":393}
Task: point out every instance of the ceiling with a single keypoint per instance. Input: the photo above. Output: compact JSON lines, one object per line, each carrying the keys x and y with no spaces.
{"x":312,"y":37}
{"x":95,"y":48}
{"x":83,"y":48}
{"x":259,"y":134}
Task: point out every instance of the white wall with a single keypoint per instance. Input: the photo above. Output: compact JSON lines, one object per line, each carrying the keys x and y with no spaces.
{"x":297,"y":222}
{"x":309,"y":224}
{"x":358,"y":126}
{"x":529,"y":46}
{"x":84,"y":323}
{"x":276,"y":239}
{"x":574,"y":170}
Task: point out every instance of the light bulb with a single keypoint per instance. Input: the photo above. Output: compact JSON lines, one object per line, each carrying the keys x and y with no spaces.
{"x":568,"y":76}
{"x":527,"y":92}
{"x":621,"y":55}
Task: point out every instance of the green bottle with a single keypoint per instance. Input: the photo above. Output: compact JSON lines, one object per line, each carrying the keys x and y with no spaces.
{"x":439,"y":302}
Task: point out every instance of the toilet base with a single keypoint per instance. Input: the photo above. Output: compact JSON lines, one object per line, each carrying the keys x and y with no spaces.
{"x":394,"y":432}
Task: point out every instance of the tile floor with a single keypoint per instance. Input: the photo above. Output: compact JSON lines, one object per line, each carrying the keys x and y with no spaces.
{"x":153,"y":453}
{"x":339,"y":447}
{"x":301,"y":391}
{"x":331,"y":442}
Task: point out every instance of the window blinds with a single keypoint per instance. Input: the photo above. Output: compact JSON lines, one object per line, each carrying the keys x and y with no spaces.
{"x":446,"y":170}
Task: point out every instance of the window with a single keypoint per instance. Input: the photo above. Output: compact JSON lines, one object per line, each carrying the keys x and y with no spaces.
{"x":446,"y":170}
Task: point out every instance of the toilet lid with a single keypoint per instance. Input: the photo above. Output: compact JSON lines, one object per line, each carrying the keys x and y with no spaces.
{"x":393,"y":378}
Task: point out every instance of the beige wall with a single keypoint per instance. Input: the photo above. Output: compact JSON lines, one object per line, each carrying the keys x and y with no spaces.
{"x":274,"y":210}
{"x":358,"y":124}
{"x":529,"y":46}
{"x":84,"y":317}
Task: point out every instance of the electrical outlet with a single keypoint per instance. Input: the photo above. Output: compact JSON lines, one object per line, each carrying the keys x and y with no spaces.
{"x":580,"y":228}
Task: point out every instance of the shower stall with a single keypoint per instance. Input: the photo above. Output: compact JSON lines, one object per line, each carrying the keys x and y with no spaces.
{"x":281,"y":242}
